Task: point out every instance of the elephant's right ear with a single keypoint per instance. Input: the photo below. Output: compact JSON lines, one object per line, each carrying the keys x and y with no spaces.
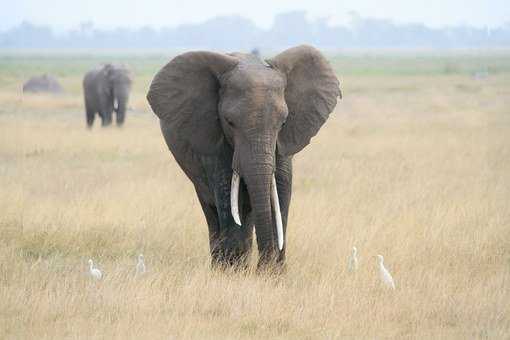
{"x":185,"y":94}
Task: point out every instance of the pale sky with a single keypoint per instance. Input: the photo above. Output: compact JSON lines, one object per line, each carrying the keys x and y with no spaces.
{"x":64,"y":14}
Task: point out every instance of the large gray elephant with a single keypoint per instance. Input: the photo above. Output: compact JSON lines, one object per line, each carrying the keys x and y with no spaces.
{"x":233,"y":123}
{"x":106,"y":89}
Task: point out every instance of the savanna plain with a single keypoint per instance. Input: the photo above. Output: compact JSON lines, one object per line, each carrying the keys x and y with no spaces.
{"x":414,"y":164}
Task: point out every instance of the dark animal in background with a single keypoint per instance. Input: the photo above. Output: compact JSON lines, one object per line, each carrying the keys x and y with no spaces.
{"x":40,"y":84}
{"x":106,"y":90}
{"x":256,"y":53}
{"x":233,"y":124}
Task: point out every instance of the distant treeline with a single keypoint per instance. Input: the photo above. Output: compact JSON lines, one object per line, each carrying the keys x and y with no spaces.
{"x":234,"y":32}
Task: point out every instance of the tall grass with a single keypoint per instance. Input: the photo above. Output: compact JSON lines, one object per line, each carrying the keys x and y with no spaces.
{"x":411,"y":167}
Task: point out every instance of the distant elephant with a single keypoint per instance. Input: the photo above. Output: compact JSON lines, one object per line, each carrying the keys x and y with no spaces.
{"x":233,"y":123}
{"x":106,"y":89}
{"x":256,"y":52}
{"x":44,"y":83}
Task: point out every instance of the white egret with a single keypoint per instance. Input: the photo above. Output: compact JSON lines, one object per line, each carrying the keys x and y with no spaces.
{"x":386,"y":277}
{"x":140,"y":266}
{"x":352,"y":264}
{"x":94,"y":271}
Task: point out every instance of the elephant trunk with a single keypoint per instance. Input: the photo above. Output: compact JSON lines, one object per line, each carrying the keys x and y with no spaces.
{"x":275,"y":202}
{"x":259,"y":180}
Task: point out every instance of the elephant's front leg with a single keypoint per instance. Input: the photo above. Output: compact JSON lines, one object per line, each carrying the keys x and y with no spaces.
{"x":106,"y":117}
{"x":232,"y":242}
{"x":89,"y":113}
{"x":211,"y":217}
{"x":226,"y":248}
{"x":235,"y":240}
{"x":106,"y":111}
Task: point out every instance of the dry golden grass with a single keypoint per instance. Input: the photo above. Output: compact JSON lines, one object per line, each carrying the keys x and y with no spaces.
{"x":415,"y":168}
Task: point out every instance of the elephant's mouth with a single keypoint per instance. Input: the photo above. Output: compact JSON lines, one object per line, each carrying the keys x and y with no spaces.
{"x":234,"y":205}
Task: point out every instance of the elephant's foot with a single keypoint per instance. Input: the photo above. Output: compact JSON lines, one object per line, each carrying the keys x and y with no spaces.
{"x":106,"y":121}
{"x":229,"y":259}
{"x":272,"y":263}
{"x":273,"y":269}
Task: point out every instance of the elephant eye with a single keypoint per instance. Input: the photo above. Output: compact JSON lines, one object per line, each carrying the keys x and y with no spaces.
{"x":284,"y":120}
{"x":229,"y":122}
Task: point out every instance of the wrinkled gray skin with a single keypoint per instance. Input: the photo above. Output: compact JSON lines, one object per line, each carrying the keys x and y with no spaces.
{"x":44,"y":83}
{"x":106,"y":89}
{"x":223,"y":113}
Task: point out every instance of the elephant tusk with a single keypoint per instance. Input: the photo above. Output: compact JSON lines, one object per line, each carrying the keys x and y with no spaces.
{"x":234,"y":197}
{"x":278,"y":213}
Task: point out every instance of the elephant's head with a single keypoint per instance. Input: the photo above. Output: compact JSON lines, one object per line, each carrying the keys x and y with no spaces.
{"x":262,"y":110}
{"x":119,"y":79}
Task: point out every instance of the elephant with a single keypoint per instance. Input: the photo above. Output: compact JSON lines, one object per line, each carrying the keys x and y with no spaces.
{"x":104,"y":87}
{"x":256,"y":52}
{"x":43,"y":83}
{"x":233,"y":123}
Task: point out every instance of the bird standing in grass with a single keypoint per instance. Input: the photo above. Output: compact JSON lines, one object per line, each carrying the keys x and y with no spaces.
{"x":386,"y":277}
{"x":94,"y":272}
{"x":352,"y":264}
{"x":140,"y":266}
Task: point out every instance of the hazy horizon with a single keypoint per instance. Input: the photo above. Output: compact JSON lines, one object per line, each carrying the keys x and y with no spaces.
{"x":65,"y":15}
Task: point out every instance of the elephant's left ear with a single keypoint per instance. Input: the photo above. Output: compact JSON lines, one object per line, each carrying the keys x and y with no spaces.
{"x":311,"y":94}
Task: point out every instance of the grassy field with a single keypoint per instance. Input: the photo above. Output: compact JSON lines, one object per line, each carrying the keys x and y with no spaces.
{"x":414,"y":164}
